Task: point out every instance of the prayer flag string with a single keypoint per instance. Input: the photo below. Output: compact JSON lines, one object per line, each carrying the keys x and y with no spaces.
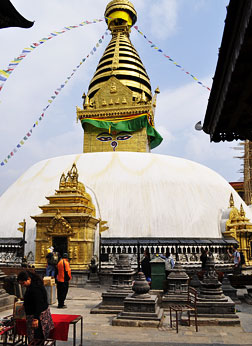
{"x":5,"y":74}
{"x":170,"y":59}
{"x":50,"y":101}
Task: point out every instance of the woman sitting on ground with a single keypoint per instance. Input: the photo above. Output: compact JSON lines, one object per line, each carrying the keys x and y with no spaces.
{"x":38,"y":317}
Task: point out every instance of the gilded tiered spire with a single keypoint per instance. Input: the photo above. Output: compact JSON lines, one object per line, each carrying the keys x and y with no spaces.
{"x":120,"y":58}
{"x":118,"y":110}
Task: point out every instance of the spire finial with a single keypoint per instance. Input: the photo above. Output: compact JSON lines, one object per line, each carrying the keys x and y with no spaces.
{"x":231,"y":201}
{"x":120,"y":12}
{"x":242,"y":212}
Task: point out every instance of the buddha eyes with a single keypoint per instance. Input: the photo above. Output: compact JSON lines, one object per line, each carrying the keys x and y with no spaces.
{"x":123,"y":137}
{"x":106,"y":137}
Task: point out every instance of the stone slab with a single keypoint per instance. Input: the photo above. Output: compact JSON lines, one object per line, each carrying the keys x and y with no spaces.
{"x":102,"y":309}
{"x":155,"y":316}
{"x":216,"y":307}
{"x":136,"y":323}
{"x":213,"y":321}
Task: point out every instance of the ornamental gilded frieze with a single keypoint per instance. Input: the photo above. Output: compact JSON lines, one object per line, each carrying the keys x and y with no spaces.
{"x":59,"y":226}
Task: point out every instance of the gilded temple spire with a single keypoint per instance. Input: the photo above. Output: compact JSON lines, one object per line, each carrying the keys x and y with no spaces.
{"x":231,"y":201}
{"x":118,"y":110}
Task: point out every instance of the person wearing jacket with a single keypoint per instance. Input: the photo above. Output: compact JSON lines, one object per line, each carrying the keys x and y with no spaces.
{"x":38,"y":317}
{"x":63,"y":278}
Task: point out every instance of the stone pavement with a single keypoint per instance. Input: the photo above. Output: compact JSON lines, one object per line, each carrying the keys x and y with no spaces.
{"x":98,"y":330}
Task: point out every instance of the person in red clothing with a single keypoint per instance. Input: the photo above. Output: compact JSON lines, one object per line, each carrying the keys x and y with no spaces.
{"x":63,"y":278}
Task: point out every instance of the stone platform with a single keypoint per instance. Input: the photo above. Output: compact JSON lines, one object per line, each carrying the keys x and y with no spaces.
{"x":98,"y":330}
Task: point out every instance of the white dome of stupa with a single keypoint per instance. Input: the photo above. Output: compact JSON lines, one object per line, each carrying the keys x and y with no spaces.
{"x":139,"y":194}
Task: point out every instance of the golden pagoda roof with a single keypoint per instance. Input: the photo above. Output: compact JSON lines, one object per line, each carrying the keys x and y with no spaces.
{"x":120,"y":58}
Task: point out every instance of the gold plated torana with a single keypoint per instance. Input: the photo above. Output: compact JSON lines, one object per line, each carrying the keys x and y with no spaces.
{"x":70,"y":215}
{"x":118,"y":110}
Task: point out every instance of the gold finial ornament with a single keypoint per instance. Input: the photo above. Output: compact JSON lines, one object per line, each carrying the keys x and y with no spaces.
{"x":62,"y":183}
{"x":231,"y":201}
{"x":118,"y":11}
{"x":242,"y":212}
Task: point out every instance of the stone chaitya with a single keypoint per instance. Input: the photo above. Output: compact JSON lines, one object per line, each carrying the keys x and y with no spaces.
{"x":177,"y":286}
{"x":67,"y":223}
{"x":212,"y":303}
{"x":140,"y":308}
{"x":6,"y":300}
{"x":113,"y":298}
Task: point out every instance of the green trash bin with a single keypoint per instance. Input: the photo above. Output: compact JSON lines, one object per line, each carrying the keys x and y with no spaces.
{"x":157,"y":273}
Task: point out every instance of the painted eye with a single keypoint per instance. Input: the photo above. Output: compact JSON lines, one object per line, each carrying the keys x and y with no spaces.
{"x":123,"y":137}
{"x":104,"y":138}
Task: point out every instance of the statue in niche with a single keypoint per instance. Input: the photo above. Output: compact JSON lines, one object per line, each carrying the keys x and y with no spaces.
{"x":113,"y":88}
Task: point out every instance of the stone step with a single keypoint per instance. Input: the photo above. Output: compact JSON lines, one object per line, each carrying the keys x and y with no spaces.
{"x":213,"y":321}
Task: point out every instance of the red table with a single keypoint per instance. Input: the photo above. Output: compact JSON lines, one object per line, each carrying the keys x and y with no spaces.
{"x":61,"y":327}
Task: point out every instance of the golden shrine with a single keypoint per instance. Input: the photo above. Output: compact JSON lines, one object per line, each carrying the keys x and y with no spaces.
{"x":67,"y":223}
{"x":118,"y":110}
{"x":240,"y":228}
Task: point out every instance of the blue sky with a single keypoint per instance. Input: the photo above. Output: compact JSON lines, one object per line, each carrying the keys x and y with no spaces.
{"x":188,"y":31}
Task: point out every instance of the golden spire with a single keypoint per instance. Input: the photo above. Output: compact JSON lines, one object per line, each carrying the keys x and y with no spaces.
{"x":242,"y":212}
{"x":120,"y":58}
{"x":231,"y":201}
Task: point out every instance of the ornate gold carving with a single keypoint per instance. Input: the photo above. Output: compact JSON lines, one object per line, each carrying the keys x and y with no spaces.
{"x":59,"y":225}
{"x":75,"y":253}
{"x":115,"y":61}
{"x":113,"y":88}
{"x":62,"y":183}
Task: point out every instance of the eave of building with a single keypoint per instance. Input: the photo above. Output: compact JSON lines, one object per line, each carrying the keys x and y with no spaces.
{"x":67,"y":197}
{"x":71,"y":206}
{"x":11,"y":241}
{"x":10,"y":17}
{"x":108,"y":112}
{"x":229,"y":111}
{"x":65,"y":215}
{"x":167,"y":241}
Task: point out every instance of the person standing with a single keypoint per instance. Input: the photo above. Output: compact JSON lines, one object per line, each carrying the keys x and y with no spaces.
{"x":169,"y":263}
{"x":51,"y":262}
{"x":39,"y":321}
{"x":146,"y":266}
{"x":203,"y":258}
{"x":237,"y":259}
{"x":63,"y":278}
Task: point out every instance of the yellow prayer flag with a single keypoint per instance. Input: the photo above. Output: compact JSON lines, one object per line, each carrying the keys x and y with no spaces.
{"x":3,"y":73}
{"x":22,"y":228}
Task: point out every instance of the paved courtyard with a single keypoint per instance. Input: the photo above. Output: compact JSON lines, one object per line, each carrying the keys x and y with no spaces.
{"x":99,"y":331}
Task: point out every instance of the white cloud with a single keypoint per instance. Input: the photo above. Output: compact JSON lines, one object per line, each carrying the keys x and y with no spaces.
{"x":166,"y":134}
{"x":182,"y":107}
{"x":163,"y":18}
